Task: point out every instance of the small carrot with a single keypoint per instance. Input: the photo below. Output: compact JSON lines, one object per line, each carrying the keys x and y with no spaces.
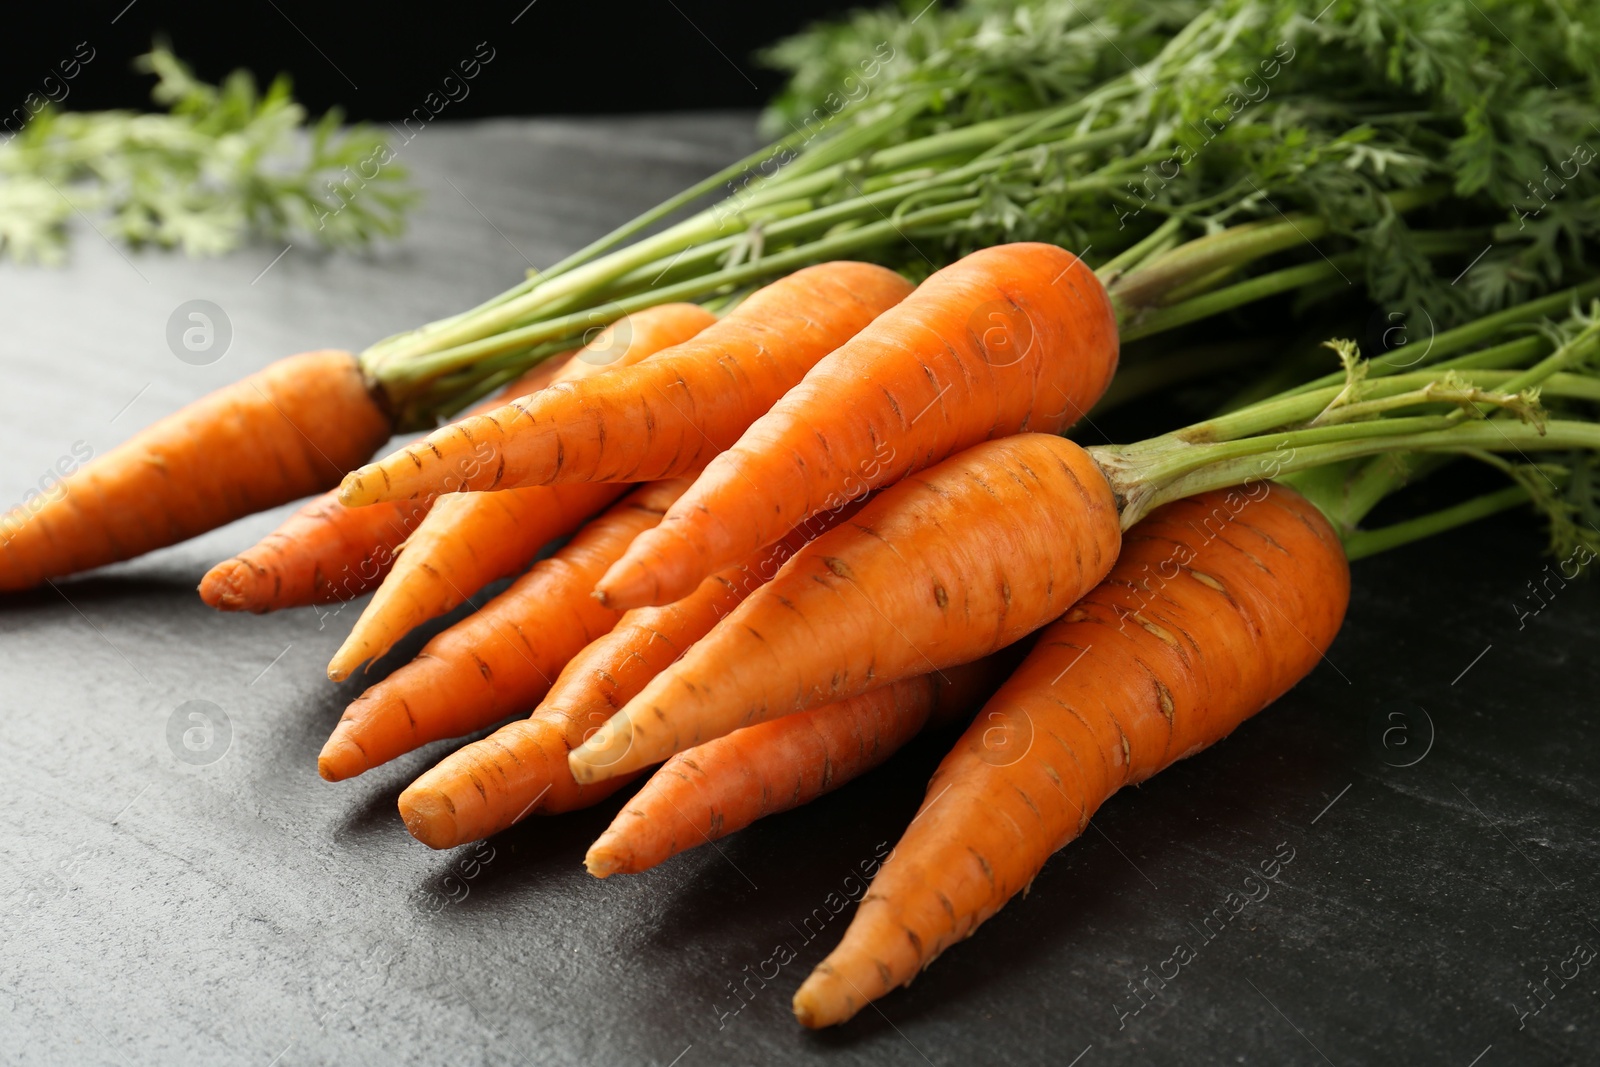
{"x":471,"y":539}
{"x":326,"y":552}
{"x":278,"y":435}
{"x":658,"y":419}
{"x":1210,"y":614}
{"x":323,"y":553}
{"x":1010,"y":339}
{"x":725,"y":785}
{"x":942,"y":568}
{"x":500,"y":659}
{"x":521,"y":769}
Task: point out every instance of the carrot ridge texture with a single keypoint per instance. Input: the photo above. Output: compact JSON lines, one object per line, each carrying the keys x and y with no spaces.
{"x":326,"y":552}
{"x":1218,"y":605}
{"x":285,"y":432}
{"x":709,"y":791}
{"x":1015,"y":338}
{"x":471,"y":539}
{"x":521,"y":769}
{"x":501,"y":659}
{"x":942,"y":568}
{"x":658,"y":419}
{"x":323,"y":553}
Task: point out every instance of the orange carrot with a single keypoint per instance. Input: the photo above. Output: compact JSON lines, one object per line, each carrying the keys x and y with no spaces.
{"x":725,"y":785}
{"x":1210,"y":614}
{"x":471,"y":539}
{"x":283,"y":433}
{"x":940,"y":569}
{"x":326,"y":552}
{"x":502,"y":658}
{"x":658,"y":419}
{"x":521,"y":769}
{"x":323,"y":553}
{"x":1010,"y":339}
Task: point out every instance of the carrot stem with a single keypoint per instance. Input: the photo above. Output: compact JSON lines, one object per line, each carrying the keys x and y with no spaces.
{"x":1364,"y":543}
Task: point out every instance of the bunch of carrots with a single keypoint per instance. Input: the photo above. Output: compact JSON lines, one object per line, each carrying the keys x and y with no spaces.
{"x":807,"y":508}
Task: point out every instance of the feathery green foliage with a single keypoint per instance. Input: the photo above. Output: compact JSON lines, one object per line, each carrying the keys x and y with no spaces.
{"x":221,"y":167}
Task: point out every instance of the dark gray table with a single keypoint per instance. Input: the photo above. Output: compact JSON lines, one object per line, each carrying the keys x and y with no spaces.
{"x":246,"y":912}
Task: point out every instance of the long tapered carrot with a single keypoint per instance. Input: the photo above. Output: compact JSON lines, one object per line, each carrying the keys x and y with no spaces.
{"x":471,"y":539}
{"x":323,"y":553}
{"x":501,"y":659}
{"x":712,"y":790}
{"x":660,"y":418}
{"x":1214,"y":609}
{"x":326,"y":552}
{"x":945,"y":567}
{"x":1013,"y":338}
{"x":280,"y":434}
{"x":521,"y":769}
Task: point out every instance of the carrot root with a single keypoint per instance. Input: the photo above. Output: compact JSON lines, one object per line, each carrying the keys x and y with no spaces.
{"x":1015,"y":338}
{"x":725,"y":785}
{"x":658,"y":419}
{"x":500,"y":660}
{"x":942,"y":568}
{"x":1218,"y":605}
{"x":283,"y":433}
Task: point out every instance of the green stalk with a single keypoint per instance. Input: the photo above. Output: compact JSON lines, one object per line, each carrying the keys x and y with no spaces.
{"x":1364,"y":543}
{"x":1466,"y":336}
{"x":1142,"y":493}
{"x":428,"y":365}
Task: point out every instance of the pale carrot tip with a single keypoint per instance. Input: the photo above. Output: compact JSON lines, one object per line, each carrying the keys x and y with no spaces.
{"x":429,"y":817}
{"x":584,"y":772}
{"x":225,"y":586}
{"x":340,"y":758}
{"x":602,"y":862}
{"x":343,"y":663}
{"x":803,"y":1014}
{"x":353,"y":491}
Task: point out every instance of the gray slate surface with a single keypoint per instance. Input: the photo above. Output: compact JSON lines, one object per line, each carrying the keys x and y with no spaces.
{"x":246,"y":912}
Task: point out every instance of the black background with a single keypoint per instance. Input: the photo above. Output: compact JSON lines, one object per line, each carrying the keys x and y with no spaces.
{"x":379,"y":61}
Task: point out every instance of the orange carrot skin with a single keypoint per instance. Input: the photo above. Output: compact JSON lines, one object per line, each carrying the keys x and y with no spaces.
{"x":943,"y":568}
{"x":499,"y":660}
{"x":1218,"y":605}
{"x":725,"y":785}
{"x":660,"y":418}
{"x":521,"y":769}
{"x":283,"y":433}
{"x":471,"y":539}
{"x":323,"y":553}
{"x":326,"y":552}
{"x":1016,"y":338}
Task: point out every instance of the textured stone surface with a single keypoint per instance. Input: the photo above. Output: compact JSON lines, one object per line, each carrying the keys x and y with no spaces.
{"x":164,"y":912}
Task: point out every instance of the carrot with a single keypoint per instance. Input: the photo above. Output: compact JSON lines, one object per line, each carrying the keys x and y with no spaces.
{"x":940,"y":569}
{"x":521,"y":769}
{"x":1013,"y":338}
{"x":1210,"y":614}
{"x":725,"y":785}
{"x":323,"y":553}
{"x":326,"y":552}
{"x":471,"y":539}
{"x":659,"y":419}
{"x":502,"y":658}
{"x":283,"y":433}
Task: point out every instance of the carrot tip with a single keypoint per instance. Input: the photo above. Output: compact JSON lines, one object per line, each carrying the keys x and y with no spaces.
{"x":816,"y":1006}
{"x":626,"y":587}
{"x":227,"y":586}
{"x":602,"y":862}
{"x":353,"y":491}
{"x":340,"y":758}
{"x":430,"y":817}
